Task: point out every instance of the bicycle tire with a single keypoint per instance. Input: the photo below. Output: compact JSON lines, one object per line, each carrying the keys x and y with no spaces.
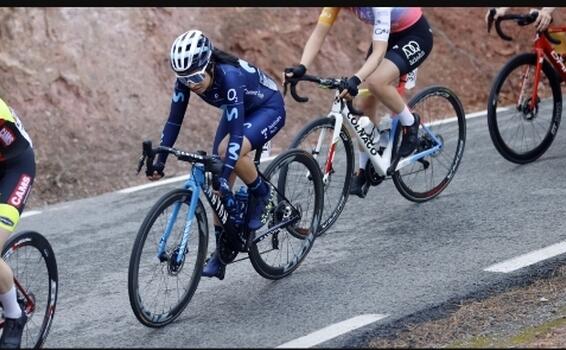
{"x":292,"y":238}
{"x":504,"y":146}
{"x":10,"y":254}
{"x":335,"y":198}
{"x":141,"y":310}
{"x":447,"y":157}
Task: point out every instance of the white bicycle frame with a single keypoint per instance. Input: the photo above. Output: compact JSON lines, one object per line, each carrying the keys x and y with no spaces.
{"x":381,"y":163}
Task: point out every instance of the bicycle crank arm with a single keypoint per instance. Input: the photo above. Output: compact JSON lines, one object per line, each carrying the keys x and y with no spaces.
{"x":424,"y":162}
{"x":274,"y":228}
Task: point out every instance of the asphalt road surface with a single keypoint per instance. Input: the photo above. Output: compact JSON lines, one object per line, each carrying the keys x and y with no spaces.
{"x":384,"y":259}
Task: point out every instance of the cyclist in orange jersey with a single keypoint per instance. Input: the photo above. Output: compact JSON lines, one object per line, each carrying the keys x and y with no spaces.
{"x":401,"y":41}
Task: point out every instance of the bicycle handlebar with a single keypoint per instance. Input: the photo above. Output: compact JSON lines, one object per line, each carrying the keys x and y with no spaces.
{"x":211,"y":163}
{"x":521,"y":20}
{"x":327,"y":83}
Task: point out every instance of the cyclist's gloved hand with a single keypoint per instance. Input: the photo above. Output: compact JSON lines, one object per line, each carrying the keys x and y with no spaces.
{"x":223,"y":185}
{"x":296,"y":71}
{"x":227,"y":195}
{"x":157,"y":171}
{"x":351,"y":87}
{"x":543,"y":20}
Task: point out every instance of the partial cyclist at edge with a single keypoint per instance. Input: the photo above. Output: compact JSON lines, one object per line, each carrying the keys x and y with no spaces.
{"x":541,"y":23}
{"x":401,"y":41}
{"x":252,"y":112}
{"x":17,"y":172}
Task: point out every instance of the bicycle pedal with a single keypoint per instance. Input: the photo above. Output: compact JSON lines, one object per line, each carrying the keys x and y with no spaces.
{"x":424,"y":162}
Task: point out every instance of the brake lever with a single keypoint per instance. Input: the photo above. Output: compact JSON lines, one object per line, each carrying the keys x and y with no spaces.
{"x":490,"y":19}
{"x":141,"y":160}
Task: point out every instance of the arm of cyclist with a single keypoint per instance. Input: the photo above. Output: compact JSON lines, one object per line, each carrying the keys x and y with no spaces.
{"x":544,"y":18}
{"x":499,"y":11}
{"x":380,"y":37}
{"x":314,"y":43}
{"x":179,"y":103}
{"x":378,"y":52}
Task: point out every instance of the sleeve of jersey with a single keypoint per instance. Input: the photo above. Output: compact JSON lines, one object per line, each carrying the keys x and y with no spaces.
{"x":328,"y":15}
{"x":382,"y":23}
{"x":233,"y":115}
{"x":179,"y":103}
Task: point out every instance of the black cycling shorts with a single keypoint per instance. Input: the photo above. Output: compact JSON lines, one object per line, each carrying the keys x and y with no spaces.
{"x":409,"y":48}
{"x":16,"y":179}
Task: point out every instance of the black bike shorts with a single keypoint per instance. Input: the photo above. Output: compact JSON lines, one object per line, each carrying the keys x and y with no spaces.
{"x":16,"y":179}
{"x":409,"y":48}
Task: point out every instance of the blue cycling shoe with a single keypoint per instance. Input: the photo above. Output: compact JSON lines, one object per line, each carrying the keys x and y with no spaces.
{"x":214,"y":267}
{"x":259,"y":209}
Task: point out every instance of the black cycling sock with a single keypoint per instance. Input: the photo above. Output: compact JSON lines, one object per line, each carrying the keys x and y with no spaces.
{"x":258,"y":187}
{"x":217,"y":231}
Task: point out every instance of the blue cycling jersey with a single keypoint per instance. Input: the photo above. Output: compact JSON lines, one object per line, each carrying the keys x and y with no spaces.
{"x":238,"y":91}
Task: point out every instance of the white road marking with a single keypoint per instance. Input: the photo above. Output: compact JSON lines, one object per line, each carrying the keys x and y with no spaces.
{"x":528,"y":258}
{"x":468,"y":116}
{"x":332,"y":331}
{"x":267,"y":159}
{"x":171,"y":180}
{"x":30,"y":213}
{"x":154,"y":184}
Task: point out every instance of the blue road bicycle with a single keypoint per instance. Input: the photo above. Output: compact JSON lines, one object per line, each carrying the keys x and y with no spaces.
{"x":170,"y":249}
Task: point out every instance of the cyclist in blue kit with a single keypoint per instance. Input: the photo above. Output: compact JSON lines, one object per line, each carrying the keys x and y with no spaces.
{"x":253,"y":111}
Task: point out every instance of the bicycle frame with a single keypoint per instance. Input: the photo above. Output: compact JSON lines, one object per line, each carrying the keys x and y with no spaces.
{"x":382,"y":163}
{"x":544,"y":50}
{"x":197,"y":182}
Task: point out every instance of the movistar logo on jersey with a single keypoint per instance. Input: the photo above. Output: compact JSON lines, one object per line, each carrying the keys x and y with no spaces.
{"x":232,"y":113}
{"x":233,"y":150}
{"x":178,"y":96}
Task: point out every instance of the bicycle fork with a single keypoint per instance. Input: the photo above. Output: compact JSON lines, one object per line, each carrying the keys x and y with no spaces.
{"x":193,"y":183}
{"x":331,"y":151}
{"x":533,"y":101}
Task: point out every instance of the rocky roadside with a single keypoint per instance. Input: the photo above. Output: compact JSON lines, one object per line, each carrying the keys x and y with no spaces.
{"x":530,"y":314}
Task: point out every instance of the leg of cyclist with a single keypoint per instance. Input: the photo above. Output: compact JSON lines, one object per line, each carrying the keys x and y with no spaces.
{"x":379,"y":83}
{"x":214,"y":266}
{"x":15,"y":185}
{"x":406,"y":50}
{"x":360,"y":186}
{"x":261,"y":125}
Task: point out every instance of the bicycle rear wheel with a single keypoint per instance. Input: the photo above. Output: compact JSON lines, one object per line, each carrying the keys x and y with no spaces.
{"x":442,"y":122}
{"x":31,"y":258}
{"x":337,"y":183}
{"x":160,"y":288}
{"x":522,"y":133}
{"x":299,"y":203}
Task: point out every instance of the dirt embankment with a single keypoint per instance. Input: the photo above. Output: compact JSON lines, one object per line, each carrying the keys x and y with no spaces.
{"x":91,"y":83}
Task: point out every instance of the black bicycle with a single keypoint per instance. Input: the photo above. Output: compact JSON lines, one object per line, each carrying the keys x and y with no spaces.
{"x":169,"y":252}
{"x":33,"y":263}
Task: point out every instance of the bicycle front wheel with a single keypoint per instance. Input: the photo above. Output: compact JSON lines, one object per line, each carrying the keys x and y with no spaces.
{"x":520,"y":131}
{"x":442,"y":136}
{"x":31,"y":258}
{"x":316,"y":138}
{"x":160,"y":286}
{"x":278,"y":248}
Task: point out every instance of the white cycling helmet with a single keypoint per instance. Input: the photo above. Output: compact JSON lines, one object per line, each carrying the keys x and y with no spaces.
{"x":190,"y":52}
